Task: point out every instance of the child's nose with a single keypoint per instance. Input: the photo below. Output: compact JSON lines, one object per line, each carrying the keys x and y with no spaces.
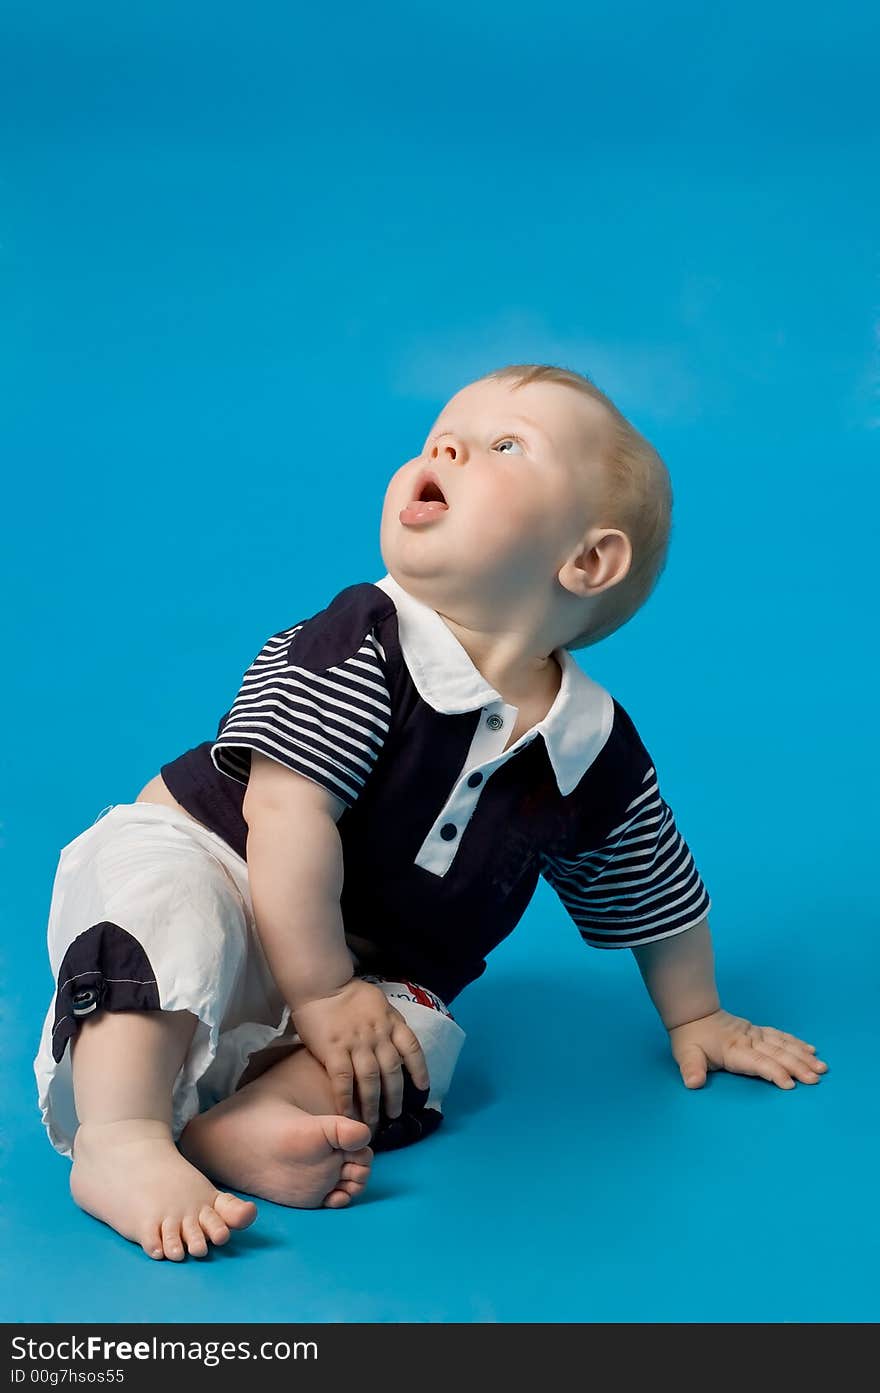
{"x":452,"y":449}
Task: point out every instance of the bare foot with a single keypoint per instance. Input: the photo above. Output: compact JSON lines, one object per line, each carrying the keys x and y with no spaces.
{"x":267,"y":1146}
{"x":131,"y":1175}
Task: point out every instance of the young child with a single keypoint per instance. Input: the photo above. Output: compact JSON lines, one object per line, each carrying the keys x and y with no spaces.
{"x":255,"y":960}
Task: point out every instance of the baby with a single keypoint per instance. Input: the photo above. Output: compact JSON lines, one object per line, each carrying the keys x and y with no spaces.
{"x":255,"y":960}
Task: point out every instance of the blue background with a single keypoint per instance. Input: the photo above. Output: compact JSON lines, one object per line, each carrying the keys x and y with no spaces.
{"x":247,"y":254}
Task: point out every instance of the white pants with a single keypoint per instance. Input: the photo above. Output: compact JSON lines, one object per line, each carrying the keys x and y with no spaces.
{"x":151,"y":911}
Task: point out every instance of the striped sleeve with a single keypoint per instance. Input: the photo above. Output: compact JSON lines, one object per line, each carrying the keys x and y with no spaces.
{"x":327,"y":725}
{"x":639,"y":885}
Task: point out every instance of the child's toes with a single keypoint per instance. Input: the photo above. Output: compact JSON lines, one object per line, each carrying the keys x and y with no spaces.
{"x":345,"y":1133}
{"x":215,"y":1229}
{"x":364,"y":1157}
{"x":236,"y":1213}
{"x":171,"y":1240}
{"x":194,"y":1237}
{"x":337,"y":1199}
{"x":343,"y":1192}
{"x":152,"y":1243}
{"x":352,"y":1171}
{"x":352,"y":1187}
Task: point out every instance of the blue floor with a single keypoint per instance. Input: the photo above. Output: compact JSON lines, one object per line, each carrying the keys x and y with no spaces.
{"x":575,"y":1179}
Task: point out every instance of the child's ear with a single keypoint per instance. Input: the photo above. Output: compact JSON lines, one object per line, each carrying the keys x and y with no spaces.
{"x":601,"y":560}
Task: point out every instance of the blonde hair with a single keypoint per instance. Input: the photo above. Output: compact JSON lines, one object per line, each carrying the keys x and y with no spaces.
{"x":637,"y":499}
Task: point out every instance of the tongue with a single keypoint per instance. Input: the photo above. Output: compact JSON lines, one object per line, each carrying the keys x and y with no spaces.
{"x":420,"y":510}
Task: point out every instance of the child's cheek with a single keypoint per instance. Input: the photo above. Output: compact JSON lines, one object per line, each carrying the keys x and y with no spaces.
{"x":501,"y":523}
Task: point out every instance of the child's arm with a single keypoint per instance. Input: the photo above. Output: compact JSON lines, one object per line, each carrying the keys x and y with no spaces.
{"x":295,"y":870}
{"x":679,"y":974}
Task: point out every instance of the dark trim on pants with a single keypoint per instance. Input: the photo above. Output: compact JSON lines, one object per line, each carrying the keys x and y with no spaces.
{"x":105,"y":966}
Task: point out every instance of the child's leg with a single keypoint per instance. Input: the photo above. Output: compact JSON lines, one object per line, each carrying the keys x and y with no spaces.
{"x":124,"y":1064}
{"x":126,"y":1169}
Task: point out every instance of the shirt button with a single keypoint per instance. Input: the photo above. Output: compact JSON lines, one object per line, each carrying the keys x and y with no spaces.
{"x":448,"y":831}
{"x":494,"y":722}
{"x":475,"y":780}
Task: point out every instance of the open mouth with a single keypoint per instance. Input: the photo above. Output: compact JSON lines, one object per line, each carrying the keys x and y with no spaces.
{"x":430,"y":491}
{"x":428,"y":503}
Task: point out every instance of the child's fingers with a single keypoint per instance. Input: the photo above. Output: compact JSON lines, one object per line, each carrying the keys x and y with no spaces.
{"x":369,"y":1082}
{"x":406,"y":1042}
{"x":745,"y":1059}
{"x":391,"y":1070}
{"x":799,"y":1066}
{"x":805,"y":1067}
{"x":692,"y":1064}
{"x":781,"y":1038}
{"x":769,"y":1035}
{"x":795,"y":1040}
{"x":339,"y":1069}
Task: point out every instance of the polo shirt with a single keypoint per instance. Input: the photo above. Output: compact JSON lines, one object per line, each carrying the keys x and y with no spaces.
{"x":445,"y":833}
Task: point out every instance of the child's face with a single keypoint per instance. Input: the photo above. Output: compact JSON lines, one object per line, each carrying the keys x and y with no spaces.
{"x":517,"y":507}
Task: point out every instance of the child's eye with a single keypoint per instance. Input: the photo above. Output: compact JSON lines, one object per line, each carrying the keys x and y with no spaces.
{"x":505,"y":438}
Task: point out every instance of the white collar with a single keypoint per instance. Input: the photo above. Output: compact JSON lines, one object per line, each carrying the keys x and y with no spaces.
{"x":575,"y":728}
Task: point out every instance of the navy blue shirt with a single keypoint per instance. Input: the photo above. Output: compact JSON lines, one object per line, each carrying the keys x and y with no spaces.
{"x":445,"y":832}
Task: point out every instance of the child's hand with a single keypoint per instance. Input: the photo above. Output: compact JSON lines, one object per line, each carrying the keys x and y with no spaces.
{"x":358,"y":1035}
{"x":723,"y":1041}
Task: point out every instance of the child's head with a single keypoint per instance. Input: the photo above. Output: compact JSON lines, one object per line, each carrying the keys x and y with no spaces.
{"x":563,"y":531}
